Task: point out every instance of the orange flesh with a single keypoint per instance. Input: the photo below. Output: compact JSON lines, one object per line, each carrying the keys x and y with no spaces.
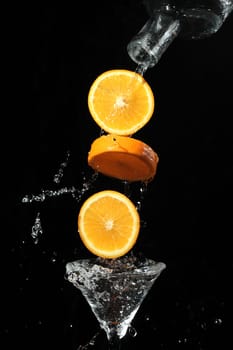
{"x":121,"y":101}
{"x":108,"y":225}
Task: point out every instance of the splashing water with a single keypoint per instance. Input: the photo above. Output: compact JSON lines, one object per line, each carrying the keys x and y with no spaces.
{"x":41,"y":197}
{"x":126,"y":188}
{"x":77,"y":193}
{"x":37,"y":230}
{"x":132,"y":331}
{"x":58,"y":176}
{"x":143,"y":191}
{"x":141,"y":68}
{"x":86,"y":186}
{"x":114,"y":289}
{"x":91,"y":342}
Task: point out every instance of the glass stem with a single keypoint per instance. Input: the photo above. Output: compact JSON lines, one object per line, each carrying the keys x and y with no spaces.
{"x":114,"y":342}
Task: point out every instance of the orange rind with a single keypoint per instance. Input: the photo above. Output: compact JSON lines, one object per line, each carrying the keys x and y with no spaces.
{"x":124,"y":158}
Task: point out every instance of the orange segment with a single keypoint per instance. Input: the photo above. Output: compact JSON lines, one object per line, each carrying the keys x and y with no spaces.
{"x":108,"y":224}
{"x":123,"y":157}
{"x":121,"y":102}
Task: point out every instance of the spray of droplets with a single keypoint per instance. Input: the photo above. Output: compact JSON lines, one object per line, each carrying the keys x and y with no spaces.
{"x":58,"y":176}
{"x":91,"y":342}
{"x":36,"y":229}
{"x":76,"y":193}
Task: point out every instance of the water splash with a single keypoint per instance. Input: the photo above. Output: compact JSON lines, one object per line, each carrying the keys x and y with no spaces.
{"x":142,"y":191}
{"x":58,"y":176}
{"x":218,"y":321}
{"x":37,"y":230}
{"x":115,"y":293}
{"x":87,"y":184}
{"x":44,"y":194}
{"x":141,"y":68}
{"x":102,"y":132}
{"x":77,"y":193}
{"x":132,"y":331}
{"x":126,"y":188}
{"x":91,"y":342}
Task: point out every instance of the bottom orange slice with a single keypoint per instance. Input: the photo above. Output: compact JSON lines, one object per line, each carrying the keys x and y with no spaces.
{"x":123,"y":157}
{"x":108,"y":224}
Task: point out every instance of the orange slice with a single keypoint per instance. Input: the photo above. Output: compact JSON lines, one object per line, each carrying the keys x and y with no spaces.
{"x":121,"y":102}
{"x":123,"y":157}
{"x":108,"y":224}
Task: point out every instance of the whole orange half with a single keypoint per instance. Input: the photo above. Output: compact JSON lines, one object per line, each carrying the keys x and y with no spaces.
{"x":121,"y":101}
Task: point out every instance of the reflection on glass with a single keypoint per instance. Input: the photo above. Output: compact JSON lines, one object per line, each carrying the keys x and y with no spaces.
{"x":190,"y":19}
{"x":114,"y":289}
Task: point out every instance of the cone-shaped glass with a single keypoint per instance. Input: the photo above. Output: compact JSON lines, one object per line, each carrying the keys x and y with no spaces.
{"x":114,"y":289}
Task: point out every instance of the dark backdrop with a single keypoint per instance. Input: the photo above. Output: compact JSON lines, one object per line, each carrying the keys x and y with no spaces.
{"x":187,"y":211}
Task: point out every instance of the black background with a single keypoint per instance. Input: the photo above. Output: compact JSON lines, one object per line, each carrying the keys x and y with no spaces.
{"x":58,"y":51}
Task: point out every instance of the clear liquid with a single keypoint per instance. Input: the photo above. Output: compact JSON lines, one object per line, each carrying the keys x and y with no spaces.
{"x":37,"y":230}
{"x":58,"y":176}
{"x":91,"y":342}
{"x":114,"y":289}
{"x":77,"y":193}
{"x":142,"y":192}
{"x":142,"y":68}
{"x":188,"y":19}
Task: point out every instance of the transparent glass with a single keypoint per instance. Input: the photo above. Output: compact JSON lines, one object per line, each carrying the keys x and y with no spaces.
{"x":114,"y":289}
{"x":190,"y":19}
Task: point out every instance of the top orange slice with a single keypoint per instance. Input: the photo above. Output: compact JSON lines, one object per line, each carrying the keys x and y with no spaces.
{"x":108,"y":224}
{"x":123,"y":157}
{"x":120,"y":101}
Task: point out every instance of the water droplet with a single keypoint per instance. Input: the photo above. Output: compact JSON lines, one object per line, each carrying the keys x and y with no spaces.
{"x":143,"y":223}
{"x":54,"y":257}
{"x":218,"y":321}
{"x":90,"y":343}
{"x":141,"y":68}
{"x":58,"y":176}
{"x":126,"y":188}
{"x":25,"y":199}
{"x":102,"y":132}
{"x":142,"y":192}
{"x":138,"y":205}
{"x":36,"y":229}
{"x":132,"y":331}
{"x":154,"y":328}
{"x":86,"y":186}
{"x":203,"y":326}
{"x":203,"y":308}
{"x":182,"y":340}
